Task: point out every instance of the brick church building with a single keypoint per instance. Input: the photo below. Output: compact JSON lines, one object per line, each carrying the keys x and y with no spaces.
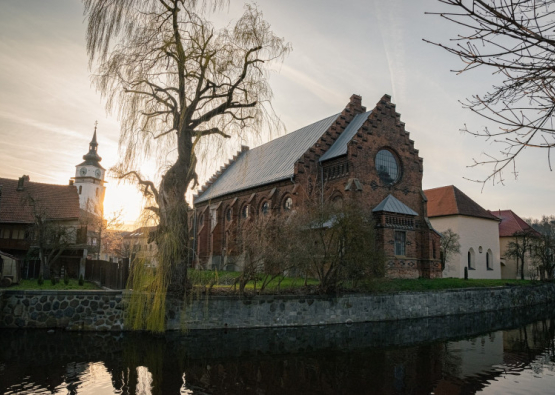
{"x":357,"y":155}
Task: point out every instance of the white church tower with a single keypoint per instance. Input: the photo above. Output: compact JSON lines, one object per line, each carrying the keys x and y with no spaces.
{"x":89,"y":180}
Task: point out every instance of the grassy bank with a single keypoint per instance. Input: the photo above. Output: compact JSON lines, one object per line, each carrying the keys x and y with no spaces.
{"x":224,"y":281}
{"x":33,"y":285}
{"x":421,"y":284}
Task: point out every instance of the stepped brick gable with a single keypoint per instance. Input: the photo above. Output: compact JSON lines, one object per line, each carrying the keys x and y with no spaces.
{"x":357,"y":155}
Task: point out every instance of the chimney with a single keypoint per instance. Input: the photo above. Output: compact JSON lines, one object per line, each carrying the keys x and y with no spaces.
{"x":70,"y":183}
{"x":21,"y":182}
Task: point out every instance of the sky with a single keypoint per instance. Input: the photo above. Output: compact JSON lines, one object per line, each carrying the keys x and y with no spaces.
{"x":48,"y":105}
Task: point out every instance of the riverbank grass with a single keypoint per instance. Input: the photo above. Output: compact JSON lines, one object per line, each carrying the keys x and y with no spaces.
{"x":224,"y":280}
{"x":423,"y":284}
{"x":32,"y":285}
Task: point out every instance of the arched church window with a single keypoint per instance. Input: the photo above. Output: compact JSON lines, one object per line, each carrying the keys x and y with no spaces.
{"x":288,"y":204}
{"x":337,"y":202}
{"x":228,"y":214}
{"x":80,"y":189}
{"x":470,"y":258}
{"x":265,"y":208}
{"x":387,"y":167}
{"x":245,"y":211}
{"x":489,"y":263}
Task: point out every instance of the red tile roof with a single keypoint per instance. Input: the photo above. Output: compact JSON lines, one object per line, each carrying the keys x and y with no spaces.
{"x":512,"y":223}
{"x":450,"y":200}
{"x":61,"y":202}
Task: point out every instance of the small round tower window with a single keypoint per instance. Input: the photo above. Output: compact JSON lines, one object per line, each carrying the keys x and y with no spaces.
{"x":387,"y":167}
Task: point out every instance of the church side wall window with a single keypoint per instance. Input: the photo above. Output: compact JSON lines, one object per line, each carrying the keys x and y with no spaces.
{"x":400,"y":242}
{"x":470,"y":259}
{"x":489,"y":263}
{"x":80,"y":189}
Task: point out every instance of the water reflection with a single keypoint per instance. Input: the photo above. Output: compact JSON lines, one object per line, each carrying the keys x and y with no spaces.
{"x":450,"y":355}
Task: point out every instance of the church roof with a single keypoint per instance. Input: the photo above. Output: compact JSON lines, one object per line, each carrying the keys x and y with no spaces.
{"x":270,"y":162}
{"x":61,"y":202}
{"x":450,"y":200}
{"x":511,"y":223}
{"x":340,"y":146}
{"x":392,"y":205}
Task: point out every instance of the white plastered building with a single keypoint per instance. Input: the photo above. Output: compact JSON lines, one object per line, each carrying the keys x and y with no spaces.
{"x":478,"y":229}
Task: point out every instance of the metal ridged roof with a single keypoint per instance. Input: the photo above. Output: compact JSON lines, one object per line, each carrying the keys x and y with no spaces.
{"x":392,"y":205}
{"x":268,"y":163}
{"x":340,"y":146}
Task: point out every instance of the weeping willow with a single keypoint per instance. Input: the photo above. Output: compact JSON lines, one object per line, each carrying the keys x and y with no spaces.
{"x":180,"y":88}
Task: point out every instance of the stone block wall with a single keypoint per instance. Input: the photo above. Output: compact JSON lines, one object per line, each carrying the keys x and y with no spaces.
{"x":285,"y":311}
{"x":73,"y":310}
{"x":104,"y":310}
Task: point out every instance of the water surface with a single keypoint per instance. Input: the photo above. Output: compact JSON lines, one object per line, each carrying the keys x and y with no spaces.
{"x":504,"y":352}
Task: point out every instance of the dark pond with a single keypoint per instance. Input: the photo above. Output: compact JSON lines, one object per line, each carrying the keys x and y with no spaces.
{"x":504,"y":352}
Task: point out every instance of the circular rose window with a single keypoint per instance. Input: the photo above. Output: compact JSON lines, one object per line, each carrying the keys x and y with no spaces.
{"x":387,"y":167}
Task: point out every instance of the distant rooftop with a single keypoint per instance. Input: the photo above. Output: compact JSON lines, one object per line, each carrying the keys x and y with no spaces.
{"x":450,"y":200}
{"x":60,"y":202}
{"x":511,"y":223}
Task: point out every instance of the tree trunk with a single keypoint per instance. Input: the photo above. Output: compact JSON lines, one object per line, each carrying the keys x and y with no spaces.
{"x":44,"y":270}
{"x":174,"y":224}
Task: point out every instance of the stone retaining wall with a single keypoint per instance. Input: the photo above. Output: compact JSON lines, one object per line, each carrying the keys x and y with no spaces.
{"x":74,"y":310}
{"x":104,"y":310}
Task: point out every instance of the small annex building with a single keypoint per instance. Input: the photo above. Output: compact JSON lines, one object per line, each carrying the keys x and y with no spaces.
{"x":478,"y":229}
{"x":354,"y":155}
{"x":511,"y":228}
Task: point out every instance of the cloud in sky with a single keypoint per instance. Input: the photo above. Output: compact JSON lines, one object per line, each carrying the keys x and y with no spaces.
{"x":48,"y":107}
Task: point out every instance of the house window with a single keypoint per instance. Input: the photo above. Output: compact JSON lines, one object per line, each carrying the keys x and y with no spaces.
{"x":265,"y":208}
{"x":489,"y":263}
{"x":288,"y":204}
{"x":400,"y":242}
{"x":470,"y":259}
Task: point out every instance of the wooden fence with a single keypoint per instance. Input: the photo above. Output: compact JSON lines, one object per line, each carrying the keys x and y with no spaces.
{"x":108,"y":274}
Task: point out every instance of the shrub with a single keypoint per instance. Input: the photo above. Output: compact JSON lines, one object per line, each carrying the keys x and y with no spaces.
{"x":53,"y":280}
{"x":40,"y":281}
{"x":66,"y":279}
{"x":81,"y":280}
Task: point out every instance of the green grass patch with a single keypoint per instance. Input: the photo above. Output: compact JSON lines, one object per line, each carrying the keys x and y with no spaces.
{"x":34,"y":286}
{"x":398,"y":285}
{"x":224,"y":280}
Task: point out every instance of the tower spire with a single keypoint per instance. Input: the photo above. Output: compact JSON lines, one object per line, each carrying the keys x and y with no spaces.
{"x":92,"y":156}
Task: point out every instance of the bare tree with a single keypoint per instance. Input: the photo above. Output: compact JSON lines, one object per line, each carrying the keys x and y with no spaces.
{"x":337,"y":245}
{"x":49,"y":238}
{"x":515,"y":39}
{"x":178,"y":84}
{"x":520,"y":247}
{"x":543,"y":247}
{"x":269,"y":246}
{"x":449,"y":246}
